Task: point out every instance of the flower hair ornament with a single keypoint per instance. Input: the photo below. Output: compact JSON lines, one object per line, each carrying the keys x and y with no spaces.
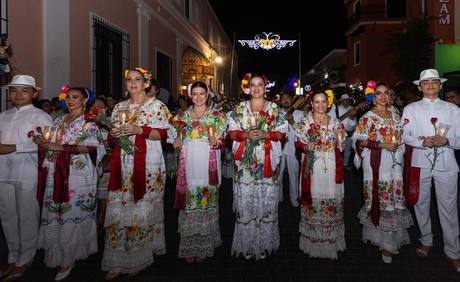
{"x":66,"y":88}
{"x":245,"y":83}
{"x":369,"y":91}
{"x":189,"y":88}
{"x":330,"y":97}
{"x":145,"y":72}
{"x":62,"y":95}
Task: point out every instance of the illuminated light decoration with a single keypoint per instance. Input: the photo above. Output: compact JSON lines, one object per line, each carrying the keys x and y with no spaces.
{"x":267,"y":41}
{"x":269,"y":86}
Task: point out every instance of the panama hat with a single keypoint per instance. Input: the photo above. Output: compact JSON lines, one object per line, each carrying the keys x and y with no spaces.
{"x":22,"y":81}
{"x":429,"y":74}
{"x":344,"y":96}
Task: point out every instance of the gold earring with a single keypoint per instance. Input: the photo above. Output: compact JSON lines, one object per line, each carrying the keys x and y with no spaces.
{"x":84,"y":108}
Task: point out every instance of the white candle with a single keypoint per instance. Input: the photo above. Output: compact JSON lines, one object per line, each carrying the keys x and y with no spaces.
{"x":123,"y":118}
{"x":211,"y":133}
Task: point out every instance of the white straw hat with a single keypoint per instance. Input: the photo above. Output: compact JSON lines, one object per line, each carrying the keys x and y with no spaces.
{"x":22,"y":81}
{"x":429,"y":74}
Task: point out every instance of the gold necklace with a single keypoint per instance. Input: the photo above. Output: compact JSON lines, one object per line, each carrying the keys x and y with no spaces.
{"x":323,"y":146}
{"x":131,"y":118}
{"x":201,"y":115}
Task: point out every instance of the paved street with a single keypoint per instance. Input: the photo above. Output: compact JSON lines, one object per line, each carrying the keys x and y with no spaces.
{"x":359,"y":262}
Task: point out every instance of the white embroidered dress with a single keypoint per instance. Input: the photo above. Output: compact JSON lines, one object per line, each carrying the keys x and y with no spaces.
{"x":256,"y":198}
{"x":68,"y":231}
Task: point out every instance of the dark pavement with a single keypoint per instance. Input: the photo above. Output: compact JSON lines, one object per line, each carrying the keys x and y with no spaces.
{"x":359,"y":262}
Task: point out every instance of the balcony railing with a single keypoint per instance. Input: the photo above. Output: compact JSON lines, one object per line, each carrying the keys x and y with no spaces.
{"x":380,"y":13}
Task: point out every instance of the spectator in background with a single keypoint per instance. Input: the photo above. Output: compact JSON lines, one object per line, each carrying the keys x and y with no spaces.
{"x":111,"y":101}
{"x":392,"y":102}
{"x":163,"y":95}
{"x":19,"y":208}
{"x":154,"y":89}
{"x":289,"y":160}
{"x":47,"y":106}
{"x":452,"y":95}
{"x":103,"y":180}
{"x":349,"y":123}
{"x":183,"y":104}
{"x":433,"y":159}
{"x":60,"y":111}
{"x":4,"y":57}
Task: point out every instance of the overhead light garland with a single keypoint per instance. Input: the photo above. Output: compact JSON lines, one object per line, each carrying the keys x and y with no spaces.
{"x":267,"y":41}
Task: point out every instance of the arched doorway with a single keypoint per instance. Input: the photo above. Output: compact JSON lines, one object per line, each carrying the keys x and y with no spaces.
{"x":195,"y":66}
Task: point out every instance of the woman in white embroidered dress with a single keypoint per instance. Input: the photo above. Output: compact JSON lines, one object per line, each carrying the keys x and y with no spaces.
{"x":257,"y":131}
{"x":322,"y":229}
{"x":134,"y":221}
{"x":377,"y":141}
{"x":68,"y":175}
{"x":200,"y":138}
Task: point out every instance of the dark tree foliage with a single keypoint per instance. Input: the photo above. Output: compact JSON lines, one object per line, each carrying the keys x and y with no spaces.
{"x":411,"y":49}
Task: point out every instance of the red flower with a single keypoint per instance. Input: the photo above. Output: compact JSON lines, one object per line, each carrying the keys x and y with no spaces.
{"x":39,"y":129}
{"x":434,"y":120}
{"x":406,"y":121}
{"x":30,"y":134}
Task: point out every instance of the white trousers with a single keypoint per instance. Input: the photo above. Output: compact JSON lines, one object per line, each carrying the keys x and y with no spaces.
{"x":20,"y":216}
{"x":446,"y":197}
{"x":292,"y":164}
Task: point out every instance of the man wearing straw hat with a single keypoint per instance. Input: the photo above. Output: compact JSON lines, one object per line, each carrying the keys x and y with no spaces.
{"x":432,"y":131}
{"x":19,"y":209}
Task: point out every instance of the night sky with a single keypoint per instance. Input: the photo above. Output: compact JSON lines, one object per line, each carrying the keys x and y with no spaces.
{"x":321,"y":27}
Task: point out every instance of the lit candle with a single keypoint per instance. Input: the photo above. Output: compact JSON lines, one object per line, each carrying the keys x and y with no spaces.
{"x":253,"y":121}
{"x":47,"y":135}
{"x":211,"y":133}
{"x":123,"y":118}
{"x":442,"y":131}
{"x":393,"y":139}
{"x":340,"y":138}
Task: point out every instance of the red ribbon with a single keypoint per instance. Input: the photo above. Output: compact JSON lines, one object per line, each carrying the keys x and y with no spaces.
{"x":339,"y":172}
{"x":305,"y":192}
{"x":42,"y":175}
{"x":376,"y":155}
{"x":268,"y":171}
{"x":139,"y":170}
{"x":411,"y":178}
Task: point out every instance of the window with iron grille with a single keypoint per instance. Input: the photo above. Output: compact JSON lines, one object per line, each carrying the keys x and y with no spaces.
{"x":110,"y":52}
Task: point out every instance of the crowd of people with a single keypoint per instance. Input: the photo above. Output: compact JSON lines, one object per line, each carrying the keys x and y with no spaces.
{"x":79,"y":166}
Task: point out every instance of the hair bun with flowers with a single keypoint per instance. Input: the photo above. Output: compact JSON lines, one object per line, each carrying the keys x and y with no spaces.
{"x":245,"y":83}
{"x":369,"y":91}
{"x":145,"y":72}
